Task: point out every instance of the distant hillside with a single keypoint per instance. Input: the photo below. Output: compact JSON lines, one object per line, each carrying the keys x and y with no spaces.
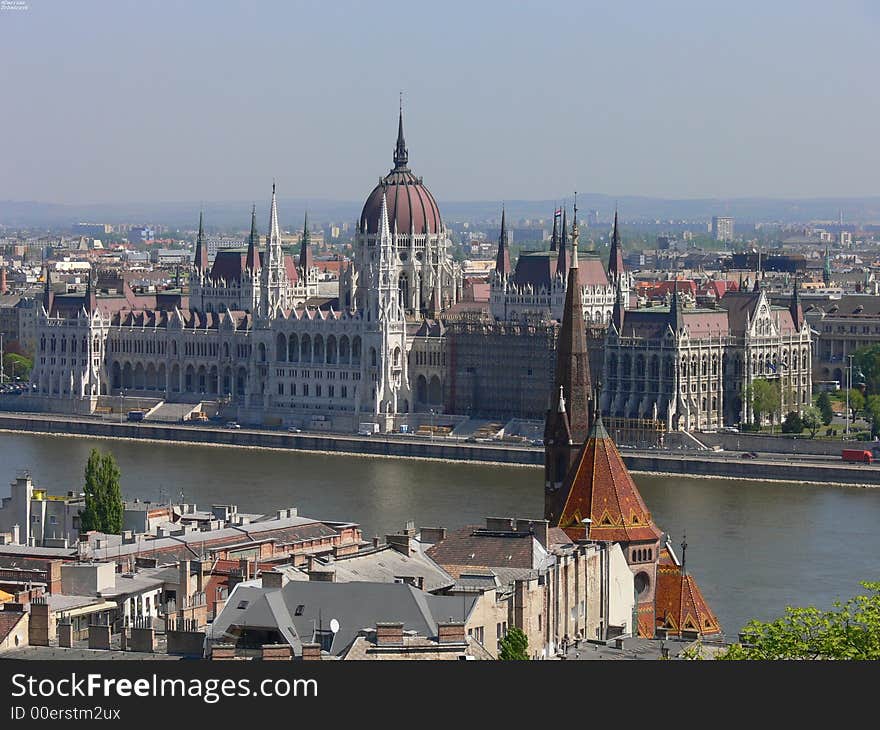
{"x":236,"y":214}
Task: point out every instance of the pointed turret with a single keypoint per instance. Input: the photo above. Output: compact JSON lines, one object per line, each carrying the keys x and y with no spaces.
{"x":826,"y":268}
{"x":401,"y":154}
{"x":615,"y":259}
{"x":676,"y":313}
{"x":306,"y":259}
{"x":562,"y":262}
{"x":794,"y":307}
{"x":48,"y":293}
{"x":619,"y":311}
{"x":252,"y":262}
{"x":200,"y":263}
{"x":554,"y":238}
{"x":502,"y":260}
{"x":565,"y":429}
{"x":91,"y":299}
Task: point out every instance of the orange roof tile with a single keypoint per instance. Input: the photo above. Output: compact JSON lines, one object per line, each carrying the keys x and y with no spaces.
{"x":679,"y":603}
{"x":599,"y":486}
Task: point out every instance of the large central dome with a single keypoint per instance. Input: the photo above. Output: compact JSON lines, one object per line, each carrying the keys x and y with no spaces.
{"x":411,"y":207}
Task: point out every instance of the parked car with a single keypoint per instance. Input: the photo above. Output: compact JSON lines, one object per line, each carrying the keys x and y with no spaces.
{"x":294,"y":429}
{"x":748,"y":455}
{"x":232,"y":424}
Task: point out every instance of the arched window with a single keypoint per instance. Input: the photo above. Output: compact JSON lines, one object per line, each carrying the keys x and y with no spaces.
{"x":281,"y":348}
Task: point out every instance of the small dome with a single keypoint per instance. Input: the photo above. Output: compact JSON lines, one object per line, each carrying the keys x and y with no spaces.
{"x":411,"y":207}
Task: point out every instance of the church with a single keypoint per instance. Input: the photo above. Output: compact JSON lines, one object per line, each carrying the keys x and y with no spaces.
{"x":590,"y":494}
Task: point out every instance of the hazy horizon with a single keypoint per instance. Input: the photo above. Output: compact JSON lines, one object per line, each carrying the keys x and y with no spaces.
{"x":152,"y":102}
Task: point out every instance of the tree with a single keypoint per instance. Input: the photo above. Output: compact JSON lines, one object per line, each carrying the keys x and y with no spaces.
{"x":812,"y":420}
{"x":792,"y":423}
{"x":872,"y":410}
{"x":104,"y":507}
{"x":765,"y":398}
{"x":824,"y":405}
{"x":867,"y":362}
{"x":849,"y":631}
{"x":856,"y":402}
{"x":514,"y":645}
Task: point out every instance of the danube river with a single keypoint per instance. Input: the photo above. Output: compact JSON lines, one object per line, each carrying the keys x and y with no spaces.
{"x":755,"y":547}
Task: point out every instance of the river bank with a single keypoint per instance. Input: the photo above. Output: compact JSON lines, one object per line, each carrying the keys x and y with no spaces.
{"x":685,"y":463}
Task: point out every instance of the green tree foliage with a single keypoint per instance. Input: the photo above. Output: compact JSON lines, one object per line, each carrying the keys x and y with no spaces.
{"x":15,"y":365}
{"x":872,"y":411}
{"x":812,"y":420}
{"x":824,"y":405}
{"x":514,"y":645}
{"x":765,"y":397}
{"x":867,"y":362}
{"x":850,"y":630}
{"x":103,"y":495}
{"x":792,"y":423}
{"x":856,"y":402}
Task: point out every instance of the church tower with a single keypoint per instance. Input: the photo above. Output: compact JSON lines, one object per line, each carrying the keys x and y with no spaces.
{"x":568,"y":417}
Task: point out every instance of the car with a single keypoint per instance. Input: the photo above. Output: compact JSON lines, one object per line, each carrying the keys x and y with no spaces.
{"x":537,"y":442}
{"x":232,"y":424}
{"x":748,"y":455}
{"x":294,"y":429}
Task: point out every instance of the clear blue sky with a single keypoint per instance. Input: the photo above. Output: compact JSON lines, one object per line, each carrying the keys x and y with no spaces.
{"x":123,"y":100}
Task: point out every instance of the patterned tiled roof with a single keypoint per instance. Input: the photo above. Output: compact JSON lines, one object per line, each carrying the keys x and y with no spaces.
{"x":599,"y":486}
{"x":679,"y":603}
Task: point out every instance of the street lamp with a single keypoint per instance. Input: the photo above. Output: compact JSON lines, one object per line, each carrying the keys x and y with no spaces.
{"x":849,"y":381}
{"x":432,"y":424}
{"x":121,"y":404}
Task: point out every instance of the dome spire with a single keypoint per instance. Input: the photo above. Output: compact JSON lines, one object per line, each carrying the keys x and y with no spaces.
{"x":401,"y":154}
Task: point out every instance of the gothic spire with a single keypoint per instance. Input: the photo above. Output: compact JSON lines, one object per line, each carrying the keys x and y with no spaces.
{"x":252,"y":262}
{"x":676,"y":315}
{"x":502,"y":260}
{"x":306,"y":260}
{"x":684,"y":547}
{"x":562,"y":260}
{"x":201,"y":257}
{"x":554,"y":239}
{"x":274,"y":232}
{"x":91,"y":299}
{"x":615,"y":260}
{"x":572,"y":358}
{"x":618,"y":313}
{"x":797,"y":312}
{"x":401,"y":154}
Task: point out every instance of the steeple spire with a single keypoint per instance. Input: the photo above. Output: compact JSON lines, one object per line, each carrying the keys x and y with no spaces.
{"x":797,"y":312}
{"x":252,"y":262}
{"x":562,"y":261}
{"x":615,"y":259}
{"x":684,"y":547}
{"x":306,"y":260}
{"x":565,"y":431}
{"x":502,"y":260}
{"x":201,"y":257}
{"x":554,"y":239}
{"x":401,"y":154}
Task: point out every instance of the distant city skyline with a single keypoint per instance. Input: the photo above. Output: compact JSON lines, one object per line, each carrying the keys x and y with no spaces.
{"x":118,"y":102}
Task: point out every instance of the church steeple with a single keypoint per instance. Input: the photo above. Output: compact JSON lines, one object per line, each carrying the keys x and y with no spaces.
{"x":401,"y":154}
{"x":566,"y":429}
{"x":502,"y":260}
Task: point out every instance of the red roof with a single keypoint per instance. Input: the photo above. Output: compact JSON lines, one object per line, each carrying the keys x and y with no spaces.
{"x":679,"y":603}
{"x":599,"y":486}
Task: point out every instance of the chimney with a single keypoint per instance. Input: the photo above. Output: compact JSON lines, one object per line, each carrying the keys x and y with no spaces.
{"x":401,"y":543}
{"x":389,"y":633}
{"x":244,"y":565}
{"x":541,"y":531}
{"x":327,"y":575}
{"x":375,"y":541}
{"x":450,"y":632}
{"x":311,"y":652}
{"x":433,"y":535}
{"x":272,"y":579}
{"x":185,"y":586}
{"x":275,"y":652}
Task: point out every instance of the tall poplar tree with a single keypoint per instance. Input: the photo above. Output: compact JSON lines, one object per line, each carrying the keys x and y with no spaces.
{"x":104,"y":507}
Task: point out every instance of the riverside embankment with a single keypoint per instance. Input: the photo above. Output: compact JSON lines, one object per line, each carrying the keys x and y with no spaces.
{"x":811,"y":468}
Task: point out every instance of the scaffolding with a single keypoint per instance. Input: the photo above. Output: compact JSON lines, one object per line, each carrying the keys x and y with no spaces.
{"x":639,"y":432}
